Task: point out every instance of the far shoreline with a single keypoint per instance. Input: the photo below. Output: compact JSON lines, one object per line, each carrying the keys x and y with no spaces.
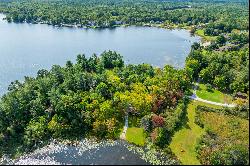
{"x":75,"y":26}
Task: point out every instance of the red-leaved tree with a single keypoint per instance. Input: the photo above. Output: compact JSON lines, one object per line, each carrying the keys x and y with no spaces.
{"x":158,"y":121}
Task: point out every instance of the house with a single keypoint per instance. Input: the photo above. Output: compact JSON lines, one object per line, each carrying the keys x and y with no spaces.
{"x":118,"y":22}
{"x":241,"y":95}
{"x":228,"y":47}
{"x":206,"y":44}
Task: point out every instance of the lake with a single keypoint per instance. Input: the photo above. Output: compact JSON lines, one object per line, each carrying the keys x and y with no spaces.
{"x":26,"y":48}
{"x":88,"y":152}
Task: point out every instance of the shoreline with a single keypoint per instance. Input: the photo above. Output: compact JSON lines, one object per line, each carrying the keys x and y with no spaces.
{"x":79,"y":26}
{"x":90,"y":150}
{"x":158,"y":26}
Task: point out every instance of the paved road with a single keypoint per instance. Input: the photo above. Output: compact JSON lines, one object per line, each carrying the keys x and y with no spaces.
{"x":195,"y":97}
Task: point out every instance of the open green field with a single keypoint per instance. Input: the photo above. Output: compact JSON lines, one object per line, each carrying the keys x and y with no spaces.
{"x":136,"y":135}
{"x":184,"y":141}
{"x":200,"y":33}
{"x":213,"y":95}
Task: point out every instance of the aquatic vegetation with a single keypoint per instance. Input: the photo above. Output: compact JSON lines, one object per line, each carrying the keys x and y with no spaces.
{"x":152,"y":155}
{"x":43,"y":155}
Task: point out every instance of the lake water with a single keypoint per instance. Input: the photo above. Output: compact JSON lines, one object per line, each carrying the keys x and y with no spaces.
{"x":91,"y":153}
{"x":26,"y":48}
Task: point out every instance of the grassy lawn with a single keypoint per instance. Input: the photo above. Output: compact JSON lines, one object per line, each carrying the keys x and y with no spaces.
{"x":214,"y":95}
{"x":136,"y":135}
{"x":184,"y":141}
{"x":200,"y":32}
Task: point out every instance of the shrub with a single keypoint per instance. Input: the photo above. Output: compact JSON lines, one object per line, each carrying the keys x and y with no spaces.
{"x":234,"y":155}
{"x":111,"y":127}
{"x":160,"y":136}
{"x":36,"y":131}
{"x":209,"y":87}
{"x":99,"y":129}
{"x":158,"y":121}
{"x":154,"y":134}
{"x":240,"y":111}
{"x":146,"y":123}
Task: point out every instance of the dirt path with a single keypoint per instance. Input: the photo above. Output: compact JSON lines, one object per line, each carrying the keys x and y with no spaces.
{"x":123,"y":134}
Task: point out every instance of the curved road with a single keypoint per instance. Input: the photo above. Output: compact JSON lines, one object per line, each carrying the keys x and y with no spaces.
{"x":185,"y":140}
{"x":195,"y":97}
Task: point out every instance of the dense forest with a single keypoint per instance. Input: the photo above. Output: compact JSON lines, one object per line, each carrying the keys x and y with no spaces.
{"x":216,"y":16}
{"x":91,"y":97}
{"x":228,"y":71}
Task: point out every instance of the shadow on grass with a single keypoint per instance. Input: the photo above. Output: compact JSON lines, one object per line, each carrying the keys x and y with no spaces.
{"x":183,"y":123}
{"x":184,"y":119}
{"x":210,"y":90}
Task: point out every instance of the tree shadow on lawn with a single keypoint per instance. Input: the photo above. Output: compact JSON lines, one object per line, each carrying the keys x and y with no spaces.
{"x":181,"y":124}
{"x":184,"y":119}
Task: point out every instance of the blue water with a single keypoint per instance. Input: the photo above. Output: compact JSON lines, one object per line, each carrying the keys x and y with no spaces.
{"x":26,"y":48}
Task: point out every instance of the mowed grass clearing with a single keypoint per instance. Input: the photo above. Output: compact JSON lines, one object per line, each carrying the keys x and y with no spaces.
{"x":200,"y":33}
{"x":136,"y":136}
{"x":184,"y":141}
{"x":214,"y":95}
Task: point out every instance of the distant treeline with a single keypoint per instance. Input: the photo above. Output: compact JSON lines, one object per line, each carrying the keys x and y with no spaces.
{"x":110,"y":13}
